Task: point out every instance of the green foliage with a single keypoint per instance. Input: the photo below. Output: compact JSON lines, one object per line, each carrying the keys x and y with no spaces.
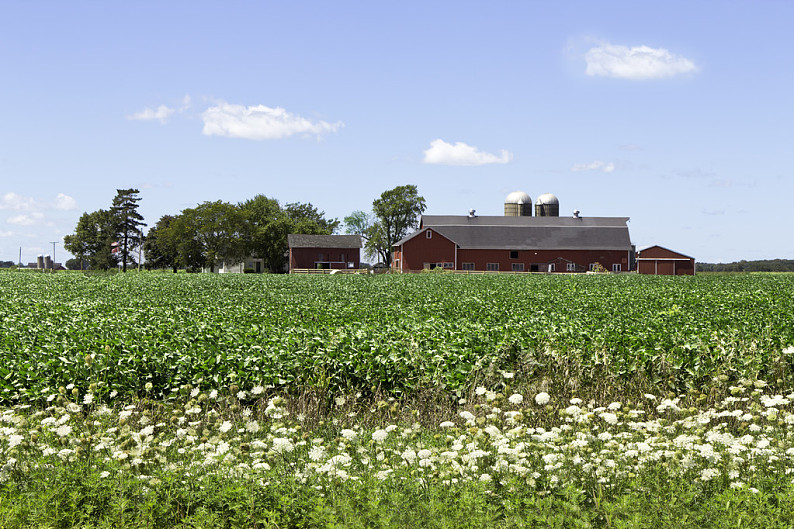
{"x":93,"y":238}
{"x":129,"y":222}
{"x":396,"y":212}
{"x":765,"y":265}
{"x":214,"y":231}
{"x":269,"y":224}
{"x":397,"y":334}
{"x":161,"y":245}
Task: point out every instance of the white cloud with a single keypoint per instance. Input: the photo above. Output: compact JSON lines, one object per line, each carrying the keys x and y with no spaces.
{"x":638,"y":62}
{"x":65,"y":202}
{"x":443,"y":153}
{"x":16,"y":202}
{"x":596,"y":165}
{"x":6,"y":234}
{"x":161,"y":113}
{"x":260,"y":123}
{"x":26,"y":219}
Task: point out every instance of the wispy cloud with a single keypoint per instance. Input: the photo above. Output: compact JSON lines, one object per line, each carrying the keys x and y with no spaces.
{"x":596,"y":165}
{"x":65,"y":202}
{"x":27,"y":219}
{"x":635,"y":63}
{"x":443,"y":153}
{"x":16,"y":202}
{"x":162,"y":113}
{"x":32,"y":211}
{"x":260,"y":123}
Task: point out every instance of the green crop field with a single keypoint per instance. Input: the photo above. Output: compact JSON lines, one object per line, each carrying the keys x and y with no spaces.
{"x":434,"y":400}
{"x":387,"y":333}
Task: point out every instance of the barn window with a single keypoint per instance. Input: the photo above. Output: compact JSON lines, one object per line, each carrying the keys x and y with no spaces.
{"x":552,"y":267}
{"x":492,"y":267}
{"x":571,"y":267}
{"x":513,"y":254}
{"x":429,"y":234}
{"x":592,"y":267}
{"x":468,"y":266}
{"x":518,"y":267}
{"x":616,"y":267}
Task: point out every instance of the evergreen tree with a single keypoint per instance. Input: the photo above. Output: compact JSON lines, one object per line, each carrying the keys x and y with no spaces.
{"x":125,"y":208}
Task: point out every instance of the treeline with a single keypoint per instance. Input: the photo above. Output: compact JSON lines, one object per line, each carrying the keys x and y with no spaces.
{"x":214,"y":232}
{"x":764,"y":265}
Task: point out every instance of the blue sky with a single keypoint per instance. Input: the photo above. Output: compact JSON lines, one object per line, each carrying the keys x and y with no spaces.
{"x":679,"y":115}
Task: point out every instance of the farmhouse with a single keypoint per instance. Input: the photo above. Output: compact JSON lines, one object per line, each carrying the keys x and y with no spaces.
{"x":656,"y":260}
{"x":517,"y":241}
{"x":324,"y":251}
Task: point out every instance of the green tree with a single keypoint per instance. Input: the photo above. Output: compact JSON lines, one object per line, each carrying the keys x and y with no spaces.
{"x":269,"y":224}
{"x":362,"y":223}
{"x":210,"y":232}
{"x":75,"y":264}
{"x":93,"y":238}
{"x":397,"y":211}
{"x":161,"y":245}
{"x":125,"y":207}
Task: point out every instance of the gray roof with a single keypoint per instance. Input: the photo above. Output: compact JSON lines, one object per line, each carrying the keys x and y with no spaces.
{"x":323,"y":241}
{"x":530,"y":233}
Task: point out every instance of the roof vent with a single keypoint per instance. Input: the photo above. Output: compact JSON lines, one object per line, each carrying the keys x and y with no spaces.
{"x":471,"y":214}
{"x":576,"y":213}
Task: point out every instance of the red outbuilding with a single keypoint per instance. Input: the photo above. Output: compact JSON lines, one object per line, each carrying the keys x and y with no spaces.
{"x":516,"y":243}
{"x":324,"y":251}
{"x":657,"y":260}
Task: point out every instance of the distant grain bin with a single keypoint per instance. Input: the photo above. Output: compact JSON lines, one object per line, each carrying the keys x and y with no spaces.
{"x":48,"y":263}
{"x":518,"y":204}
{"x":547,"y":205}
{"x":40,"y":262}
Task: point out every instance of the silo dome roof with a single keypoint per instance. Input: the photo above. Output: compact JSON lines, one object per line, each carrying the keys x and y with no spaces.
{"x":547,"y":198}
{"x":518,"y":197}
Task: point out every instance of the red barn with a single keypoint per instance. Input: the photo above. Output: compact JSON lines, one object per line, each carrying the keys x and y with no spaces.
{"x":324,"y":251}
{"x":517,"y":243}
{"x":656,"y":260}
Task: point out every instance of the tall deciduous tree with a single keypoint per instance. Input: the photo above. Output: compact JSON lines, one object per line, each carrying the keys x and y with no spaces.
{"x":217,"y":230}
{"x":125,"y":208}
{"x":361,"y":223}
{"x":161,"y":246}
{"x":93,"y":238}
{"x":397,"y":212}
{"x":269,"y":224}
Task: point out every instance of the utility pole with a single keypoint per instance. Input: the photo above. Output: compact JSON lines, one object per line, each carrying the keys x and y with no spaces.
{"x":53,"y":254}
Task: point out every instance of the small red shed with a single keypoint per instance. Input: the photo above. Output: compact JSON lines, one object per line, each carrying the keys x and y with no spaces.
{"x":657,"y":260}
{"x":324,"y":251}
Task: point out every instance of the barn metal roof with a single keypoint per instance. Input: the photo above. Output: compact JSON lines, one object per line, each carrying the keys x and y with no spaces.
{"x":323,"y":241}
{"x":530,"y":233}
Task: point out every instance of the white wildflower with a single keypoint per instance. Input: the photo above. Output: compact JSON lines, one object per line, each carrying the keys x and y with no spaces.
{"x":516,"y":399}
{"x":379,"y":435}
{"x":542,"y":398}
{"x":282,"y":444}
{"x":64,"y":430}
{"x":348,"y":434}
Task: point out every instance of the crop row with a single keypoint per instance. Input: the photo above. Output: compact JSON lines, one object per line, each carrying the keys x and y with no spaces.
{"x":393,"y":334}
